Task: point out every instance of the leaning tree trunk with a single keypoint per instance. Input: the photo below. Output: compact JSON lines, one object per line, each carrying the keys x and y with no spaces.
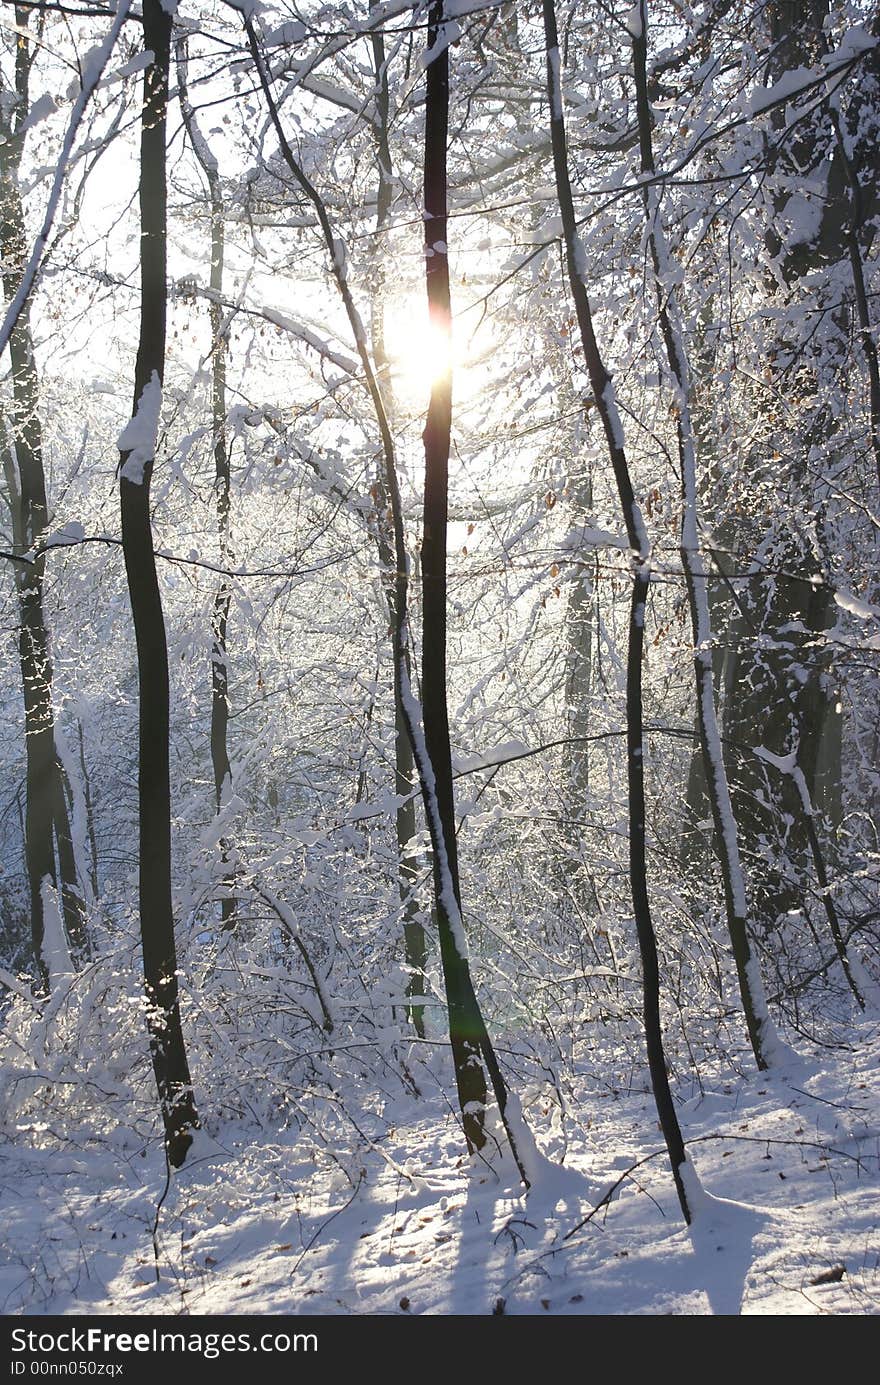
{"x":604,"y":396}
{"x":47,"y":825}
{"x":137,"y":448}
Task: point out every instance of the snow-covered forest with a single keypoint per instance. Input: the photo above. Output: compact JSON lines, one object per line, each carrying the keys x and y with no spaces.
{"x":439,"y":535}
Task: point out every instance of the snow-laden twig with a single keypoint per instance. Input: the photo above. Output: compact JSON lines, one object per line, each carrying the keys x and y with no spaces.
{"x":91,"y":77}
{"x":289,"y":923}
{"x":788,"y":765}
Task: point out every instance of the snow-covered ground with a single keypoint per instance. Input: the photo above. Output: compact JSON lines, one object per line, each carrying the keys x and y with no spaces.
{"x":406,"y":1224}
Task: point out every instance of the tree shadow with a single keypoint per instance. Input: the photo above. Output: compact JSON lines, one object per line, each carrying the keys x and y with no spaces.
{"x":722,"y":1235}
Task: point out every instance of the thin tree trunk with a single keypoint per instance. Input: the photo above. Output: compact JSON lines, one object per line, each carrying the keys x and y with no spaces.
{"x":46,"y":818}
{"x":414,"y":940}
{"x":469,"y":1037}
{"x":580,"y":620}
{"x":694,"y":839}
{"x":70,"y":870}
{"x":464,"y":1024}
{"x":80,"y":843}
{"x":758,"y":1022}
{"x":415,"y":944}
{"x":863,"y":311}
{"x":223,"y":597}
{"x":90,"y":815}
{"x":604,"y":395}
{"x":137,"y":450}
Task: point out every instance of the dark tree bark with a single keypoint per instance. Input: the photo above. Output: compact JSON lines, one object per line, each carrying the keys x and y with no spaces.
{"x":154,"y":790}
{"x":47,"y":825}
{"x":780,"y":664}
{"x":414,"y":940}
{"x":758,"y":1023}
{"x":604,"y":396}
{"x":469,"y":1038}
{"x":71,"y":871}
{"x":465,"y":1022}
{"x":90,"y":814}
{"x":857,"y":208}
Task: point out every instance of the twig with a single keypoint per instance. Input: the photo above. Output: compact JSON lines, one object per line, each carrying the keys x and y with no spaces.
{"x":606,"y":1200}
{"x":324,"y":1225}
{"x":159,"y":1205}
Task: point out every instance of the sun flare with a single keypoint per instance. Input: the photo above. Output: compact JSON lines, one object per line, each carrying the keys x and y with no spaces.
{"x":421,"y":352}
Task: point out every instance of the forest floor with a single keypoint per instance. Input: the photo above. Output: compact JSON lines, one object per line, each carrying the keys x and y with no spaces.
{"x":406,"y":1224}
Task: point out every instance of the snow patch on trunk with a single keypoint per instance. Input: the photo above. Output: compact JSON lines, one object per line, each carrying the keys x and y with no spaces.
{"x":56,"y":955}
{"x":446,"y":892}
{"x":79,"y":812}
{"x":138,"y":437}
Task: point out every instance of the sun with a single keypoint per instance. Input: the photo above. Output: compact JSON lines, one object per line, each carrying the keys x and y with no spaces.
{"x":432,"y":351}
{"x":420,"y":352}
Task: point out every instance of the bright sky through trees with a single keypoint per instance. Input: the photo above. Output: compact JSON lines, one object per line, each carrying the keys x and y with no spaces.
{"x":429,"y":758}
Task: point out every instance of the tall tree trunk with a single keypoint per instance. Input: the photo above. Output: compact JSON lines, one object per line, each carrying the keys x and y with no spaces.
{"x":604,"y":396}
{"x":222,"y":477}
{"x":70,"y":866}
{"x":137,"y":449}
{"x":695,"y":846}
{"x":464,"y":1020}
{"x":469,"y":1038}
{"x":781,"y":665}
{"x":758,"y":1022}
{"x":580,"y":620}
{"x":414,"y":940}
{"x":46,"y":817}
